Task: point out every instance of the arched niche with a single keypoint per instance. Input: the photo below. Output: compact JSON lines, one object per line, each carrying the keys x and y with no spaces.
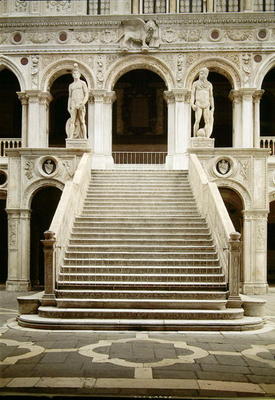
{"x":271,"y":244}
{"x":43,"y":206}
{"x":140,"y":112}
{"x":58,"y":110}
{"x":10,"y":106}
{"x":267,"y":105}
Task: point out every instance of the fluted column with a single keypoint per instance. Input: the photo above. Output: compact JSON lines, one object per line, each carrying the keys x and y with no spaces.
{"x":101,"y":132}
{"x":236,"y":99}
{"x":179,"y":127}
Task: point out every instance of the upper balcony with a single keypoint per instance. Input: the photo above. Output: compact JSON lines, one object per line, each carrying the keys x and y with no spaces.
{"x":122,"y":7}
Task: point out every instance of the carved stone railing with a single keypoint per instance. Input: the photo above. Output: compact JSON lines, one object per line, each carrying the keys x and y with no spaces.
{"x":56,"y":238}
{"x":268,"y":142}
{"x":9,"y":143}
{"x":212,"y":208}
{"x":139,"y":157}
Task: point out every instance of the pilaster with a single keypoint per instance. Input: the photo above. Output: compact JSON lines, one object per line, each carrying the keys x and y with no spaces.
{"x":24,"y":127}
{"x":179,"y":119}
{"x":254,"y":257}
{"x":19,"y":249}
{"x":256,"y":105}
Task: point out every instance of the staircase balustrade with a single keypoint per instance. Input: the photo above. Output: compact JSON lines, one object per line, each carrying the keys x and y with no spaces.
{"x":268,"y":142}
{"x":55,"y":242}
{"x":212,"y":208}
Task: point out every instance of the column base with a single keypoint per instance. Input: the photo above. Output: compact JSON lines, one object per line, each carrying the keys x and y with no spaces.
{"x":254,"y":288}
{"x":202,"y":142}
{"x":99,"y":161}
{"x":234,"y":302}
{"x":18,"y":286}
{"x":177,"y":161}
{"x":77,"y":144}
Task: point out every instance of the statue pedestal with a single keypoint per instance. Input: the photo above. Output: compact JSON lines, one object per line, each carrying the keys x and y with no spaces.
{"x":202,"y":142}
{"x":77,"y":143}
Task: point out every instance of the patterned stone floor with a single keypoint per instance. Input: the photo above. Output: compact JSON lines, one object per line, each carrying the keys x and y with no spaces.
{"x":136,"y":364}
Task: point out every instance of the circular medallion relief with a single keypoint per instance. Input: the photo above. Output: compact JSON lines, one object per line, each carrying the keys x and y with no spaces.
{"x":223,"y":166}
{"x":48,"y":166}
{"x":215,"y":35}
{"x":16,"y":38}
{"x":262,"y":34}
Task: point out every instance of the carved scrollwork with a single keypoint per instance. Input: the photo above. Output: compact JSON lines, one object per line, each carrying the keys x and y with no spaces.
{"x":169,"y":35}
{"x":59,"y":5}
{"x":86,"y":37}
{"x":40,"y":37}
{"x":20,"y":5}
{"x":29,"y":169}
{"x":239,"y":36}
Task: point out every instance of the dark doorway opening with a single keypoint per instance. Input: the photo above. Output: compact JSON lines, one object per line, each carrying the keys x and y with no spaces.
{"x":267,"y":105}
{"x":43,"y":206}
{"x":140,"y":113}
{"x":271,"y":244}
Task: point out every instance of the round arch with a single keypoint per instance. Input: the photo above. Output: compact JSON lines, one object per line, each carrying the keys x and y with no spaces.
{"x":238,"y":188}
{"x":6,"y":63}
{"x":267,"y":66}
{"x":219,"y":65}
{"x":36,"y":186}
{"x":132,"y":62}
{"x":62,"y":67}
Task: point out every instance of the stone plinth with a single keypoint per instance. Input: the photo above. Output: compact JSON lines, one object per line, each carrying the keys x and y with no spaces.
{"x":202,"y":142}
{"x":77,"y":143}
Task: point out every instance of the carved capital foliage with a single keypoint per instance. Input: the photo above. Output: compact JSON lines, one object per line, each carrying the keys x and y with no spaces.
{"x":177,"y":95}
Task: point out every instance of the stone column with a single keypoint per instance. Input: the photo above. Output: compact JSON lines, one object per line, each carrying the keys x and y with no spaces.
{"x":19,"y":250}
{"x":101,"y":137}
{"x":256,"y":104}
{"x":235,"y":97}
{"x":179,"y":128}
{"x":254,"y":257}
{"x":120,"y":7}
{"x":24,"y":101}
{"x":247,"y":117}
{"x":234,"y":261}
{"x":135,"y":6}
{"x":48,"y":298}
{"x":37,"y":118}
{"x":248,"y":5}
{"x":45,"y":98}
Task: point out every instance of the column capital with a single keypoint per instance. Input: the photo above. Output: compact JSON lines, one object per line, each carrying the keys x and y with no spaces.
{"x":45,"y":97}
{"x":102,"y":96}
{"x":258,"y":95}
{"x":255,"y":214}
{"x":33,"y":95}
{"x":177,"y":95}
{"x":23,"y":98}
{"x":235,"y":96}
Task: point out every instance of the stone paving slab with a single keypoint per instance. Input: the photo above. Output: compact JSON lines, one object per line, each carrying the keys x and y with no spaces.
{"x":174,"y":364}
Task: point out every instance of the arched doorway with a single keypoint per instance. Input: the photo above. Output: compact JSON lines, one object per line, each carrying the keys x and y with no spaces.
{"x":271,"y":244}
{"x":3,"y":240}
{"x":140,"y":113}
{"x":10,"y":106}
{"x":43,"y":206}
{"x":267,"y":115}
{"x":235,"y":207}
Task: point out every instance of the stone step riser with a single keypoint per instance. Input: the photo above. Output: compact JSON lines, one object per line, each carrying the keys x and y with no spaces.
{"x":141,"y":286}
{"x":136,"y":278}
{"x":110,"y":232}
{"x":140,"y":295}
{"x":141,"y":314}
{"x":141,"y":256}
{"x":141,"y":214}
{"x":138,"y":238}
{"x":137,"y":242}
{"x":136,"y":249}
{"x":137,"y":262}
{"x":140,"y":223}
{"x":147,"y":304}
{"x":144,"y":270}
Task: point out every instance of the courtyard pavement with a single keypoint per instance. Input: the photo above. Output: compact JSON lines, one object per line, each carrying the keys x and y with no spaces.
{"x":135,"y":364}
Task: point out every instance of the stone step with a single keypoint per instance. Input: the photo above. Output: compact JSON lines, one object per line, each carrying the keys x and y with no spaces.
{"x":161,"y":197}
{"x":75,"y":261}
{"x":128,"y":237}
{"x":141,"y":214}
{"x":99,"y":230}
{"x":114,"y":241}
{"x":142,"y":294}
{"x":142,"y":269}
{"x":139,"y":207}
{"x":148,"y":221}
{"x":142,"y":304}
{"x":135,"y":248}
{"x":111,"y":324}
{"x":153,"y":255}
{"x":133,"y":277}
{"x":53,"y":312}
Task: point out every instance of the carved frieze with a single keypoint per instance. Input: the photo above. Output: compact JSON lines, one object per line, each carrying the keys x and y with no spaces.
{"x":40,"y":37}
{"x":239,"y":35}
{"x":59,"y":5}
{"x":21,"y":5}
{"x":86,"y":37}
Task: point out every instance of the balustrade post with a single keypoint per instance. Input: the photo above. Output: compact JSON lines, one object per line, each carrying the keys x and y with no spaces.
{"x":48,"y":298}
{"x":234,"y":259}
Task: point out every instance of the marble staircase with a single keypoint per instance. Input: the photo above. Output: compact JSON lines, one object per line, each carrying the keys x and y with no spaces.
{"x":140,"y":256}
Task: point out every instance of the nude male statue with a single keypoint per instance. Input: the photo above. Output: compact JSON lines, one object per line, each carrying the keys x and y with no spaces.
{"x":78,"y":97}
{"x":202,"y":103}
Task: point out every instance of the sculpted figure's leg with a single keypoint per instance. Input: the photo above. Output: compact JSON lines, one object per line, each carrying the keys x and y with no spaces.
{"x":198,"y":114}
{"x":208,"y":119}
{"x":73,"y":118}
{"x":82,"y":123}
